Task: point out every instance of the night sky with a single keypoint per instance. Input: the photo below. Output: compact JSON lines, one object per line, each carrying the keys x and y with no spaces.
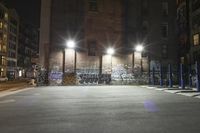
{"x":28,"y":10}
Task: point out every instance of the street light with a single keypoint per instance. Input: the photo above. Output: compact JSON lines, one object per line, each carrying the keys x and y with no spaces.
{"x":139,"y":49}
{"x":70,"y":44}
{"x":110,"y":51}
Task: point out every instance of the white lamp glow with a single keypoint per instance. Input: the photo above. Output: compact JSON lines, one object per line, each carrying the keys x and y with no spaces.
{"x":71,"y":44}
{"x":110,"y":51}
{"x":139,"y":48}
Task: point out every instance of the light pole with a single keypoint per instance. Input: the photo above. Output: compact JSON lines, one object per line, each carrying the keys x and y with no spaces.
{"x":139,"y":49}
{"x":71,"y":44}
{"x":110,"y":51}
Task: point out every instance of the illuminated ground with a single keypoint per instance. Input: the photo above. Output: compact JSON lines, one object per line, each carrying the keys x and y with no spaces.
{"x":102,"y":109}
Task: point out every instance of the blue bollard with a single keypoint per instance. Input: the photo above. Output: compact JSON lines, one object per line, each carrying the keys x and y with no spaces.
{"x":161,"y":76}
{"x":153,"y":76}
{"x":179,"y":76}
{"x":197,"y":77}
{"x":170,"y":76}
{"x":149,"y":74}
{"x":190,"y":76}
{"x":182,"y":76}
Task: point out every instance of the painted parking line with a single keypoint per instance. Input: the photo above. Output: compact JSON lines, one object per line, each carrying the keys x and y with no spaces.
{"x":7,"y":101}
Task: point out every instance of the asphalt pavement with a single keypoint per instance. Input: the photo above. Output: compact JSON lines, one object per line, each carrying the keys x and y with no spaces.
{"x":98,"y":109}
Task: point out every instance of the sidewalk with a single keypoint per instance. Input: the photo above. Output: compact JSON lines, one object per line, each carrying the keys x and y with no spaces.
{"x":190,"y":92}
{"x":14,"y":85}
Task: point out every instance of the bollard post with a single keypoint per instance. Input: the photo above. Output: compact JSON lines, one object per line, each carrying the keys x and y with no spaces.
{"x":179,"y":75}
{"x":170,"y":76}
{"x":197,"y":76}
{"x":161,"y":76}
{"x":149,"y":76}
{"x":182,"y":76}
{"x":153,"y":76}
{"x":190,"y":76}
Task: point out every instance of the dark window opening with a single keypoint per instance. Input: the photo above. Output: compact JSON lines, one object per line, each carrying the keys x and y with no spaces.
{"x":92,"y":48}
{"x":93,"y":5}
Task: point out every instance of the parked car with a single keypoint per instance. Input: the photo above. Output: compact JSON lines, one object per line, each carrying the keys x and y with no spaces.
{"x":3,"y":79}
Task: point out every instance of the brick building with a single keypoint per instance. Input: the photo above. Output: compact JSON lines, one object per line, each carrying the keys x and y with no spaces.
{"x":96,"y":25}
{"x":9,"y":32}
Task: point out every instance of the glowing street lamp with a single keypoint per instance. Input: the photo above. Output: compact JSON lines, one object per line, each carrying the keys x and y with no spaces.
{"x":71,"y":44}
{"x":110,"y":51}
{"x":139,"y":48}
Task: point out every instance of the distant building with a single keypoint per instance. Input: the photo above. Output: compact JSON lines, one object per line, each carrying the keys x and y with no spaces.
{"x":8,"y":41}
{"x":183,"y":31}
{"x":97,"y":25}
{"x":194,"y":13}
{"x":27,"y":48}
{"x":188,"y":22}
{"x":153,"y":24}
{"x":13,"y":37}
{"x":3,"y":39}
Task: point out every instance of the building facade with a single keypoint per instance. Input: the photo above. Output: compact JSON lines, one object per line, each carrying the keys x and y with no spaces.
{"x":27,"y":48}
{"x":183,"y":31}
{"x":97,"y":25}
{"x":194,"y":15}
{"x":3,"y":39}
{"x":188,"y":30}
{"x":8,"y":42}
{"x":153,"y":24}
{"x":13,"y":36}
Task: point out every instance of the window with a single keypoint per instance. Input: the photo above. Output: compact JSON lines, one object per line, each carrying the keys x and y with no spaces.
{"x":196,"y":39}
{"x":164,"y":51}
{"x":3,"y":60}
{"x":11,"y":63}
{"x":93,"y":5}
{"x":6,"y":16}
{"x":1,"y":25}
{"x":11,"y":54}
{"x":92,"y":48}
{"x":165,"y":8}
{"x":1,"y":13}
{"x":144,"y":8}
{"x":164,"y":30}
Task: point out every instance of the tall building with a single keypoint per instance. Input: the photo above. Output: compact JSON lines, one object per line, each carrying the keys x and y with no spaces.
{"x":9,"y":27}
{"x":3,"y":39}
{"x":97,"y":25}
{"x":13,"y":35}
{"x":188,"y":24}
{"x":27,"y":48}
{"x":183,"y":31}
{"x":194,"y":15}
{"x":153,"y":24}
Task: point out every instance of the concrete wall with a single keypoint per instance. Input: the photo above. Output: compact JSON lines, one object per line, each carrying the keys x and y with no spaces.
{"x":44,"y":32}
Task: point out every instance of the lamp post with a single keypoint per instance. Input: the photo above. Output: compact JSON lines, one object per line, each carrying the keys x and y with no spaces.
{"x":139,"y":49}
{"x":110,"y":51}
{"x":71,"y":44}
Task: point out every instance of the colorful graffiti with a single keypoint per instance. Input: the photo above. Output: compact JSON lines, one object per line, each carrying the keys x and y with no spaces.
{"x":85,"y":79}
{"x":69,"y":79}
